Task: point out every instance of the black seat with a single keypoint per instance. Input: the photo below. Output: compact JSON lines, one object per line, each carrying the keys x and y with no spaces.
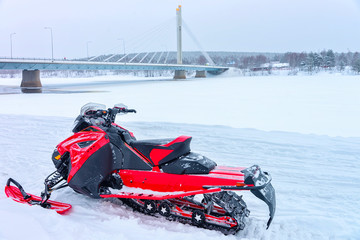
{"x":160,"y":151}
{"x":192,"y":163}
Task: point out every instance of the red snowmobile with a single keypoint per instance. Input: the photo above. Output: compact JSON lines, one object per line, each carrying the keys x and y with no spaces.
{"x":157,"y":177}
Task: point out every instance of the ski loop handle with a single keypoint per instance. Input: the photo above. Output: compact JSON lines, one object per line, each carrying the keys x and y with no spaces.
{"x":25,"y":195}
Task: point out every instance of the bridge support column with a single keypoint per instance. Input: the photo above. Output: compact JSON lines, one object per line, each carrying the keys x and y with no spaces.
{"x":179,"y":74}
{"x":200,"y":74}
{"x":31,"y":81}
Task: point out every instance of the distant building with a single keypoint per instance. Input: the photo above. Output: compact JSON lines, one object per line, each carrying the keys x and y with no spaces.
{"x":272,"y":66}
{"x":280,"y":66}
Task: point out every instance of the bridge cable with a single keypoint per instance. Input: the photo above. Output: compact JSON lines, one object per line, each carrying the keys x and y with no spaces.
{"x":166,"y":58}
{"x":144,"y":57}
{"x":152,"y":57}
{"x":147,"y":36}
{"x":148,"y":41}
{"x":134,"y":57}
{"x":192,"y":36}
{"x":160,"y":57}
{"x":123,"y":57}
{"x":142,"y":36}
{"x":110,"y":57}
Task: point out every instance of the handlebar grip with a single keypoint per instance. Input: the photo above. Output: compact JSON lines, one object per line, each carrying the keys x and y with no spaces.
{"x":131,"y":110}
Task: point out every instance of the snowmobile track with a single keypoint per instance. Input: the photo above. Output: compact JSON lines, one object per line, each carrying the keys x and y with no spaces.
{"x":232,"y":204}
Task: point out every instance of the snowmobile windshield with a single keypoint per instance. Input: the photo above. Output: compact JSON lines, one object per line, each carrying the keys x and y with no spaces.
{"x":80,"y":123}
{"x":90,"y":108}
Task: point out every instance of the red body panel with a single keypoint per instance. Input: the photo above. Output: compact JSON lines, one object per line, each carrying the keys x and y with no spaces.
{"x":80,"y":155}
{"x":156,"y":155}
{"x":165,"y":182}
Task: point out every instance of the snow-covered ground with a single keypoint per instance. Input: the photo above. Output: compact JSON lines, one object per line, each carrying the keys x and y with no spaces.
{"x":325,"y":104}
{"x":302,"y":129}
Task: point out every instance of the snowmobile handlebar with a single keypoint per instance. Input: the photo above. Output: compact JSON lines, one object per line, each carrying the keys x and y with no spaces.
{"x":112,"y":112}
{"x":125,"y":110}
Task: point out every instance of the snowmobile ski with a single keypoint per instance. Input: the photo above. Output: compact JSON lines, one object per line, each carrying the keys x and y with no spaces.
{"x":18,"y":194}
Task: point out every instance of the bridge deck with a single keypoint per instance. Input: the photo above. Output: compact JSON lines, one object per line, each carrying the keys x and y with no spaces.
{"x":88,"y":65}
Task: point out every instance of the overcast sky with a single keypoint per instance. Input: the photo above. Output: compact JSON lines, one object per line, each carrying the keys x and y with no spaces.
{"x":219,"y":25}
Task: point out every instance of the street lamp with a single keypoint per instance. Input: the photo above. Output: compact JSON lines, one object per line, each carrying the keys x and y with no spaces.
{"x":123,"y":43}
{"x":11,"y":44}
{"x":52,"y":43}
{"x":87,"y":48}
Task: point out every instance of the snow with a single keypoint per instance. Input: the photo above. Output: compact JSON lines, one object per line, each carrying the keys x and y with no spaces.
{"x":303,"y":130}
{"x":126,"y":189}
{"x":320,"y":104}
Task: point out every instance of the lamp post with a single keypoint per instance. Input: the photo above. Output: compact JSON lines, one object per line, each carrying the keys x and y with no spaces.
{"x":123,"y":43}
{"x":87,"y":49}
{"x":11,"y":56}
{"x":52,"y":43}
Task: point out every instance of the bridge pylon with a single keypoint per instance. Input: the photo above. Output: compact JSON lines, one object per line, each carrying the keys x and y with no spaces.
{"x":30,"y":82}
{"x":179,"y":74}
{"x":200,"y":74}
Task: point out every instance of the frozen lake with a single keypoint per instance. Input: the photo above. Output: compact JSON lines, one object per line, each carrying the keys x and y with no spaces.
{"x":325,"y":104}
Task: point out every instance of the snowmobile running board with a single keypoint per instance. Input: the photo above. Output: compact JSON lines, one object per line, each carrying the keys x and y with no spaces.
{"x":18,"y":194}
{"x":158,"y":197}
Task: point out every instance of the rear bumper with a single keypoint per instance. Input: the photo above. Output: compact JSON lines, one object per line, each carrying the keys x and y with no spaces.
{"x":259,"y":183}
{"x":262,"y":188}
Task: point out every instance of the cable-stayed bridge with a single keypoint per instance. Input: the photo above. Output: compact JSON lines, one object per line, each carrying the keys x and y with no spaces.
{"x":141,"y":60}
{"x":92,"y":65}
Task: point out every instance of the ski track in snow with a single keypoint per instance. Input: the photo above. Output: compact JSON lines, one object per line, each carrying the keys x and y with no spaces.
{"x":316,"y":179}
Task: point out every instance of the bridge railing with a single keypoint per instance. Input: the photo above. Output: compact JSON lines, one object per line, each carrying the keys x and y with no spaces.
{"x":32,"y":58}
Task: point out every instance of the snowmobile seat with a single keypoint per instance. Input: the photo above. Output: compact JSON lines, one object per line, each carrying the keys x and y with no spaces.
{"x":161,"y":151}
{"x":192,"y":163}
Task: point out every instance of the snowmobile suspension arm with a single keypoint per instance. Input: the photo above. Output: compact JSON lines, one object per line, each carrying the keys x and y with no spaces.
{"x":51,"y":183}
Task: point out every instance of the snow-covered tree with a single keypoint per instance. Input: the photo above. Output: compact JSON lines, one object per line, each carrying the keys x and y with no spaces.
{"x":330,"y":59}
{"x":356,"y":66}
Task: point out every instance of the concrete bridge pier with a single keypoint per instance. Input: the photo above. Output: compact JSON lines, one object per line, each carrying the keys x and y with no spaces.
{"x":31,"y":81}
{"x":180,"y":74}
{"x":200,"y":74}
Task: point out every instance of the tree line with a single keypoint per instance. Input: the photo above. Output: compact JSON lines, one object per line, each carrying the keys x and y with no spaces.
{"x":303,"y":61}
